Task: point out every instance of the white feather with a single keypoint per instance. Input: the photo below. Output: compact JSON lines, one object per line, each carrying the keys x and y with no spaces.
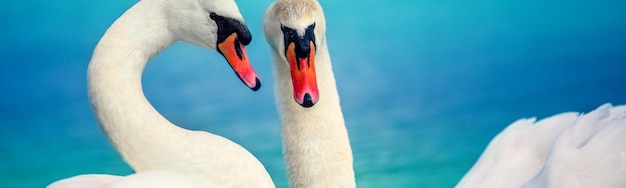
{"x":566,"y":150}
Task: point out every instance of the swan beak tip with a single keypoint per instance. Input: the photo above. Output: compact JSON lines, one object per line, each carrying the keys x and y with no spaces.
{"x":257,"y":86}
{"x":235,"y":53}
{"x":308,"y":101}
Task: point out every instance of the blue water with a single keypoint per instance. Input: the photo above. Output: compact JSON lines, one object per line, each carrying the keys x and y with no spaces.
{"x":424,"y":84}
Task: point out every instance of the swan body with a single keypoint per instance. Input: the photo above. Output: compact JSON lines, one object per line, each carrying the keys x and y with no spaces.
{"x":565,"y":150}
{"x":144,"y":138}
{"x":85,"y":180}
{"x":315,"y":140}
{"x":153,"y":179}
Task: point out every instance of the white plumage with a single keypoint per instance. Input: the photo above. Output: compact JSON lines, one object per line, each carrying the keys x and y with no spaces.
{"x":589,"y":153}
{"x":565,"y":150}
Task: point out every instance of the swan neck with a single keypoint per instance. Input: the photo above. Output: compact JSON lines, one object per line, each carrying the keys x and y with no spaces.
{"x":315,"y":140}
{"x":114,"y":81}
{"x":144,"y":138}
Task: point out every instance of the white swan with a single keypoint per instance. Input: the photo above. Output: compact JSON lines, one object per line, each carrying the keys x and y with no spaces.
{"x":144,"y":138}
{"x":566,"y":150}
{"x":315,"y":140}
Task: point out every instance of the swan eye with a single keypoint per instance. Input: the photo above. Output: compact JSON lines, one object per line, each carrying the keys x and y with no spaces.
{"x":289,"y":33}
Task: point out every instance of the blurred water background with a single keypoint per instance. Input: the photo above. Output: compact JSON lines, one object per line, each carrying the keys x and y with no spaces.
{"x":425,"y":85}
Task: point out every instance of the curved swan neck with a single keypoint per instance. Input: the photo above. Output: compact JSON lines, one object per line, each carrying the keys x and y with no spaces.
{"x":315,"y":140}
{"x":144,"y":138}
{"x":114,"y":77}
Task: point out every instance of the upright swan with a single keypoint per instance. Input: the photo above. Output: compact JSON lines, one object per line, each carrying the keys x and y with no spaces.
{"x":144,"y":138}
{"x":315,"y":140}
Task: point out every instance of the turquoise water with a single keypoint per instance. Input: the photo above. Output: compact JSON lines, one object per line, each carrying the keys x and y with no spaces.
{"x":424,"y":84}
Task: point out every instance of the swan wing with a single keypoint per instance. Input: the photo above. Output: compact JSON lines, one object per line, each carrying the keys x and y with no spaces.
{"x":517,"y":153}
{"x":591,"y":153}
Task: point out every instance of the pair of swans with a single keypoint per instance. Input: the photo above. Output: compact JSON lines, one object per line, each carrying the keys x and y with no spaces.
{"x":315,"y":140}
{"x":316,"y":143}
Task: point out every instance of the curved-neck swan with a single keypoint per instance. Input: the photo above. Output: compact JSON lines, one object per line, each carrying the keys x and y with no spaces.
{"x":144,"y":138}
{"x":315,"y":140}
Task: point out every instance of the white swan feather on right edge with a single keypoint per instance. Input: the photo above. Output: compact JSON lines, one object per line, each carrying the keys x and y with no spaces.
{"x":565,"y":150}
{"x":589,"y":153}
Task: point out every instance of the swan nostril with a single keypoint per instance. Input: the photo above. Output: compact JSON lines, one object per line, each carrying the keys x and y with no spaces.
{"x":238,"y":49}
{"x":307,"y":102}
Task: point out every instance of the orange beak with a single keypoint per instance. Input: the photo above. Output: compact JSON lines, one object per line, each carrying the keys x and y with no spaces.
{"x":302,"y":70}
{"x":235,"y":54}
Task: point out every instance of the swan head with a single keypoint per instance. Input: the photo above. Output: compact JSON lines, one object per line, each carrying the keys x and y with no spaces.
{"x":294,"y":28}
{"x":217,"y":25}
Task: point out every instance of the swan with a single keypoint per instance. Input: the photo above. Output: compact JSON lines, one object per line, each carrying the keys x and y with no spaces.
{"x":565,"y":150}
{"x":143,"y":137}
{"x":315,"y":140}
